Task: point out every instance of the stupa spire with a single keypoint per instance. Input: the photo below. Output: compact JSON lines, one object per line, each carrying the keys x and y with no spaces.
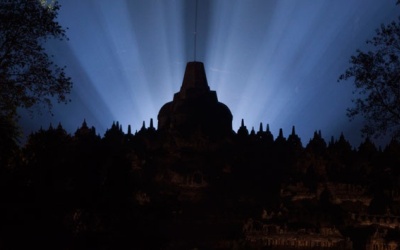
{"x":195,"y":78}
{"x":195,"y":32}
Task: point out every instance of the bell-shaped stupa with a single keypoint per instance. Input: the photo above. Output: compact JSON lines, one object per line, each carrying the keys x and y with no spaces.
{"x":195,"y":108}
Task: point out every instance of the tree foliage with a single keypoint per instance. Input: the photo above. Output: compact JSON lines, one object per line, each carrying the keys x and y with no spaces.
{"x":376,"y":76}
{"x":28,"y":76}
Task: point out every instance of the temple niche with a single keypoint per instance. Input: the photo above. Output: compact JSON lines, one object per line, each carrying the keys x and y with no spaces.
{"x":195,"y":109}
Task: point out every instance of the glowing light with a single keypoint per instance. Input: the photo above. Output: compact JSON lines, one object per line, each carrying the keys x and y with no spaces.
{"x":273,"y":62}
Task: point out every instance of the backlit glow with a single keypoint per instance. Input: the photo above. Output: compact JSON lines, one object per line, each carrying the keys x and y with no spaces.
{"x":270,"y":61}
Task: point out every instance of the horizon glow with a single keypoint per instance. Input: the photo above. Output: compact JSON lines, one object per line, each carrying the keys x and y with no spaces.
{"x":275,"y":62}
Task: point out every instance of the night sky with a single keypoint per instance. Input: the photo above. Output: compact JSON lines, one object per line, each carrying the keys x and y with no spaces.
{"x":270,"y":61}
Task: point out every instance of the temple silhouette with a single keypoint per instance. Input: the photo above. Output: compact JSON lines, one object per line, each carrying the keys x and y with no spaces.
{"x":195,"y":108}
{"x":196,"y":183}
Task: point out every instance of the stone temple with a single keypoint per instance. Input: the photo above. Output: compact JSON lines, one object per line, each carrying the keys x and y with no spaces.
{"x":195,"y":108}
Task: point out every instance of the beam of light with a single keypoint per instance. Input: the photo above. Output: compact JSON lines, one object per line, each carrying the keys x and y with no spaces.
{"x":273,"y":62}
{"x":279,"y":61}
{"x":127,"y":60}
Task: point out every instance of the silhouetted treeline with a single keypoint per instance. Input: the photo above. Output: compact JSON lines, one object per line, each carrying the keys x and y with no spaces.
{"x":66,"y":191}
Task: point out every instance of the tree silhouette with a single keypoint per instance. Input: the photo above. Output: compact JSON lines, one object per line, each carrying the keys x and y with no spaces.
{"x":27,"y":74}
{"x":376,"y":76}
{"x":9,"y":134}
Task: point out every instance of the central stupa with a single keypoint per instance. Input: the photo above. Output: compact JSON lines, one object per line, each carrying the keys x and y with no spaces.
{"x":195,"y":108}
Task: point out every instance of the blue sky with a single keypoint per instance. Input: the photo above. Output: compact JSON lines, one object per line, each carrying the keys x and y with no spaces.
{"x":271,"y":61}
